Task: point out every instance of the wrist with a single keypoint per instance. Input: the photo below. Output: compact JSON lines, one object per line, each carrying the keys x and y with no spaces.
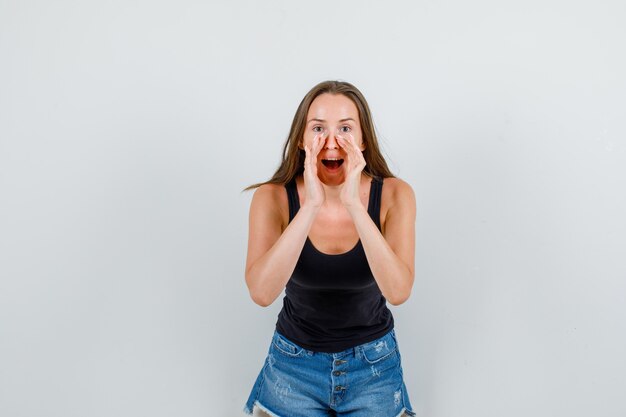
{"x":355,"y":208}
{"x":310,"y":208}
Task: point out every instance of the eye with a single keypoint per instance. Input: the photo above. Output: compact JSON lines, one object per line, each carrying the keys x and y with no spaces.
{"x":345,"y":129}
{"x":317,"y":129}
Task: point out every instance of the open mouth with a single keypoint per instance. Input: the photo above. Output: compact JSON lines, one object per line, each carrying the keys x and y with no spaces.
{"x":333,"y":163}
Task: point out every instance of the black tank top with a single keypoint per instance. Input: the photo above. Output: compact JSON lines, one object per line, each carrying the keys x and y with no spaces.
{"x":332,"y":302}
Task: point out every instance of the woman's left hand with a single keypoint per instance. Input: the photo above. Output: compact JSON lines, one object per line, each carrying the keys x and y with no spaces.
{"x":355,"y":162}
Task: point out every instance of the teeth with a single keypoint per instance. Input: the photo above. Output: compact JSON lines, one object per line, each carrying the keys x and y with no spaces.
{"x":333,"y":159}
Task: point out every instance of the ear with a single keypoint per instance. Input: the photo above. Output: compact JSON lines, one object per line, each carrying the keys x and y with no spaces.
{"x":300,"y":145}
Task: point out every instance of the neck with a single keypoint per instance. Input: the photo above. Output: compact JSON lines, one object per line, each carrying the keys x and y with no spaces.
{"x":332,"y":193}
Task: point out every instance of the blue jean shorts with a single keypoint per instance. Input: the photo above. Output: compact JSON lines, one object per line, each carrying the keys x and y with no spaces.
{"x":363,"y":381}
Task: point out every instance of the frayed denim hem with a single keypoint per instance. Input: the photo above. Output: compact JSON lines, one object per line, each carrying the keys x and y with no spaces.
{"x":249,"y":410}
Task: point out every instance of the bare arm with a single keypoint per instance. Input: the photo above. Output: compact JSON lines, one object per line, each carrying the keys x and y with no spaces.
{"x":391,"y":256}
{"x":272,"y":256}
{"x":273,"y":253}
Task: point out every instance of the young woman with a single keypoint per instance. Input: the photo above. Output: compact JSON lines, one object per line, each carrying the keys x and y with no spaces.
{"x":336,"y":230}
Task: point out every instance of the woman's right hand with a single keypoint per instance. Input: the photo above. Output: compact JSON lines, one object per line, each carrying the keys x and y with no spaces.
{"x":314,"y":189}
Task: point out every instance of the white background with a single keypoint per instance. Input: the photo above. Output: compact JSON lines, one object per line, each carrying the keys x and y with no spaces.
{"x":129,"y":128}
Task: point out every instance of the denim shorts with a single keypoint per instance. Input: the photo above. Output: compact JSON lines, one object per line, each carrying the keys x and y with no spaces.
{"x":363,"y":381}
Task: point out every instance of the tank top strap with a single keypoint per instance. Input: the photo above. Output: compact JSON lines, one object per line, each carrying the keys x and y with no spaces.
{"x":373,"y":207}
{"x":292,"y":197}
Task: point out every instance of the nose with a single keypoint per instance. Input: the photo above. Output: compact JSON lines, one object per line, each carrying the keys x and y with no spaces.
{"x":331,"y":141}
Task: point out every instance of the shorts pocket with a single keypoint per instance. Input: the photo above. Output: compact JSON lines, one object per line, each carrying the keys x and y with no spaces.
{"x":380,"y":350}
{"x":285,"y":346}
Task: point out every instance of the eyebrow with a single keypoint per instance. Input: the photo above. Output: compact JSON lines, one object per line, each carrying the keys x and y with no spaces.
{"x":322,"y":120}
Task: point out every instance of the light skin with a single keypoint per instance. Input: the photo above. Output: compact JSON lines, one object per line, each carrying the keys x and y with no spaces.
{"x":333,"y":212}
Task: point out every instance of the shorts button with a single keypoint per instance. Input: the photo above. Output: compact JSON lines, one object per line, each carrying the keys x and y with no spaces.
{"x":337,"y":373}
{"x":338,"y":388}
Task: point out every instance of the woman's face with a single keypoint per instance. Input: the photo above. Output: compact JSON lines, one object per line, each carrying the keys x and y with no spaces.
{"x":331,"y":115}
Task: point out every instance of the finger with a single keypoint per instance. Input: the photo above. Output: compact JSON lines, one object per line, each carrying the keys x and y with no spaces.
{"x":309,"y":154}
{"x":342,"y":142}
{"x":348,"y":146}
{"x":320,"y":143}
{"x":313,"y":154}
{"x":357,"y":150}
{"x":316,"y":144}
{"x":352,"y":142}
{"x":316,"y":147}
{"x":306,"y":155}
{"x":355,"y":156}
{"x":345,"y":145}
{"x":348,"y":140}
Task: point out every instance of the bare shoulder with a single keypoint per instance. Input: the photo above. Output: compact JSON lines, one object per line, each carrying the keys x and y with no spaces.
{"x":269,"y":192}
{"x":271,"y":199}
{"x":397,"y":196}
{"x":397,"y":192}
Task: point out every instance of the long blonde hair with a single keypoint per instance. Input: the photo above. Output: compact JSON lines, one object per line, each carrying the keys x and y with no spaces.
{"x":292,"y":163}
